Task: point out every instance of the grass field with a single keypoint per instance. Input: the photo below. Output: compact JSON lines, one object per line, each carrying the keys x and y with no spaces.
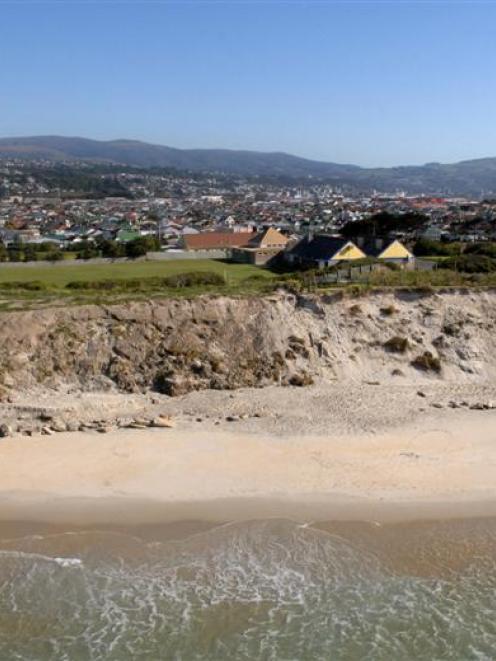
{"x":59,"y":275}
{"x":23,"y":287}
{"x":65,"y":284}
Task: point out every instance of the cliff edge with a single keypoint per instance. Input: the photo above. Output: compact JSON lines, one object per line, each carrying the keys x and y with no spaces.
{"x":175,"y":346}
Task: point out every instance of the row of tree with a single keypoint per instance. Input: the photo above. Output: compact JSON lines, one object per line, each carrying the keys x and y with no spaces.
{"x":51,"y":252}
{"x":113,"y":249}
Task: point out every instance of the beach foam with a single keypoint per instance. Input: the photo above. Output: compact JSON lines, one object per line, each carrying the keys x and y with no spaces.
{"x":260,"y":589}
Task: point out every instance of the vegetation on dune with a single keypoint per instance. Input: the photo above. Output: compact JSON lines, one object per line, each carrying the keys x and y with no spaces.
{"x":30,"y":285}
{"x":488,"y":248}
{"x":430,"y":248}
{"x":427,"y":362}
{"x":388,"y":310}
{"x":441,"y":277}
{"x":470,"y":263}
{"x":397,"y":344}
{"x":78,"y":283}
{"x":177,"y":281}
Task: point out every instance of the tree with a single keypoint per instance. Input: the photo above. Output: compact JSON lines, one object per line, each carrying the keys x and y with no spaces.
{"x":137,"y":248}
{"x":15,"y":255}
{"x":430,"y":248}
{"x":30,"y":253}
{"x":87,"y":250}
{"x":112,"y":249}
{"x":383,"y":223}
{"x":140,"y":246}
{"x":488,"y":249}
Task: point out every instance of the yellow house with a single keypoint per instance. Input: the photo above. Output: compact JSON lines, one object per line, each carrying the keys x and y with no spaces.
{"x":322,"y":250}
{"x":390,"y":251}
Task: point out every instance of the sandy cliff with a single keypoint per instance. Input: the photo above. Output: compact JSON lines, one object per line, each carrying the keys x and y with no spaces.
{"x":176,"y":346}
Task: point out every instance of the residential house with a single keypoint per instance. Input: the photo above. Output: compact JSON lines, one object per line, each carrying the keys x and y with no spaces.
{"x":322,"y":250}
{"x":386,"y":250}
{"x":126,"y":234}
{"x":216,"y":241}
{"x":262,"y":248}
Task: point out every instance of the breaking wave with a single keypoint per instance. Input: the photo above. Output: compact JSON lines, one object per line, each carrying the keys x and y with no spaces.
{"x":264,"y":589}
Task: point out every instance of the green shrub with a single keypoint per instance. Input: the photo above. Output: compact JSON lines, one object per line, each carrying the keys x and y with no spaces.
{"x":430,"y":248}
{"x":301,"y":380}
{"x":112,"y":249}
{"x":15,"y":255}
{"x":427,"y":362}
{"x":358,"y":290}
{"x":487,"y":248}
{"x":177,"y":281}
{"x":140,"y":246}
{"x":33,"y":285}
{"x":470,"y":264}
{"x":256,"y":278}
{"x":425,"y":290}
{"x":388,"y":311}
{"x":392,"y":266}
{"x":452,"y":330}
{"x":397,"y":344}
{"x":93,"y":284}
{"x":194,"y":278}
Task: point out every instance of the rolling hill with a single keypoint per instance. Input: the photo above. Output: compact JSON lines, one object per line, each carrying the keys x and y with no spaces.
{"x":472,"y":177}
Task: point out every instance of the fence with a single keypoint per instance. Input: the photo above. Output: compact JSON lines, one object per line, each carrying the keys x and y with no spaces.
{"x":357,"y":273}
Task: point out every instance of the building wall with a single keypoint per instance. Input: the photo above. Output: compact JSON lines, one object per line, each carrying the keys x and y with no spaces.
{"x":189,"y":254}
{"x":259,"y":258}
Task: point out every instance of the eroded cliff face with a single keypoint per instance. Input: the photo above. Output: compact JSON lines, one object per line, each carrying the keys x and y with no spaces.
{"x":175,"y":346}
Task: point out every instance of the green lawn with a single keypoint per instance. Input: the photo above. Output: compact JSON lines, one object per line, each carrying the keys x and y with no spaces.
{"x":59,"y":275}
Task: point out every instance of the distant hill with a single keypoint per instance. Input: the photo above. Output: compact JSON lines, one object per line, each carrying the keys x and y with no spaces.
{"x":474,"y":177}
{"x":142,"y":154}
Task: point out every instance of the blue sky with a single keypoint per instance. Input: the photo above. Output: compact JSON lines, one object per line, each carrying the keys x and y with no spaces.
{"x":371,"y":83}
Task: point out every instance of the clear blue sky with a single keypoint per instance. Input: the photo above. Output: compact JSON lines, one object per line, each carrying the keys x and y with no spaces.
{"x":371,"y":83}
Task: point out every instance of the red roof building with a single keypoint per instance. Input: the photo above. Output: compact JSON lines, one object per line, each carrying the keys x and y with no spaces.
{"x":217,"y":240}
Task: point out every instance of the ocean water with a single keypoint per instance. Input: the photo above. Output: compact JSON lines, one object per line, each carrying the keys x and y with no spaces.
{"x":269,"y":589}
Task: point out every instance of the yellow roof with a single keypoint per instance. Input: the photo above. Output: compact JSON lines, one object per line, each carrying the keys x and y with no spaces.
{"x":272,"y":237}
{"x":395,"y":250}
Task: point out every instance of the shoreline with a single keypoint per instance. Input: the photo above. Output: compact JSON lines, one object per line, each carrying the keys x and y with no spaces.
{"x":437,"y":467}
{"x":31,"y":512}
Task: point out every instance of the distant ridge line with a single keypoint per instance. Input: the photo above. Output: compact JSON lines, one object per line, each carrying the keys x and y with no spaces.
{"x":475,"y":177}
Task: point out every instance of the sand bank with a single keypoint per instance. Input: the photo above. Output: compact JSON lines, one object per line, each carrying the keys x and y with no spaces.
{"x":423,"y":470}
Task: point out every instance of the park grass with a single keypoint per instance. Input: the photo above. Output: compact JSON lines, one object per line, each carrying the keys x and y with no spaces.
{"x":48,"y":285}
{"x":59,"y":275}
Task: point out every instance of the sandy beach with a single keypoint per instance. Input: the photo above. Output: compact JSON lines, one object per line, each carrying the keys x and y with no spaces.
{"x":432,"y":463}
{"x":311,"y":406}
